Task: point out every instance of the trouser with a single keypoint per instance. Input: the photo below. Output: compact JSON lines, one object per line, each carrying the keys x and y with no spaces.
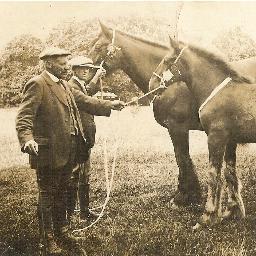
{"x":52,"y":184}
{"x":79,"y":188}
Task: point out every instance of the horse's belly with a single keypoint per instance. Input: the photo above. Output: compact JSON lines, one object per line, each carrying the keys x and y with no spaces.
{"x":245,"y":138}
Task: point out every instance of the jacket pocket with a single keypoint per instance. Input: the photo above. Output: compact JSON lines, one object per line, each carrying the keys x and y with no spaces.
{"x":82,"y":151}
{"x":89,"y":133}
{"x":41,"y":140}
{"x":43,"y":158}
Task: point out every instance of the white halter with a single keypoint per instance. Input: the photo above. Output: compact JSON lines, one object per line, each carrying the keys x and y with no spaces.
{"x":168,"y":75}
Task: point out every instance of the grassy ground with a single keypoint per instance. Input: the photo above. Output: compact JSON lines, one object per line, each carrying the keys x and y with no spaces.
{"x":139,"y":220}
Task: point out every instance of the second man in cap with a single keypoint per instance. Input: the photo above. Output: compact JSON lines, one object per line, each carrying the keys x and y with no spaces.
{"x":85,"y":79}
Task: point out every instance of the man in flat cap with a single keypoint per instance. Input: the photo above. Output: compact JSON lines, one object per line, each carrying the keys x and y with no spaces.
{"x":49,"y":129}
{"x":84,"y":80}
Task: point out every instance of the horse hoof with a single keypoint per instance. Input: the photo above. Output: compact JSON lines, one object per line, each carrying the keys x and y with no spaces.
{"x":233,"y":213}
{"x":210,"y":219}
{"x":227,"y":214}
{"x":186,"y":199}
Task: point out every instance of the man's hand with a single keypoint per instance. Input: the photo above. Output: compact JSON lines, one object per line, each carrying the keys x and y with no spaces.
{"x":117,"y":105}
{"x":31,"y":147}
{"x":101,"y":72}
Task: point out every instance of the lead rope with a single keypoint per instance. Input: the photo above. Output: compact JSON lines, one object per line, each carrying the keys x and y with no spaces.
{"x":108,"y":53}
{"x":161,"y":86}
{"x":109,"y":184}
{"x":101,"y":82}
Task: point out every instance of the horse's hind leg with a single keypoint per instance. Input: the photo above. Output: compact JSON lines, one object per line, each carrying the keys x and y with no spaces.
{"x":188,"y":187}
{"x":235,"y":202}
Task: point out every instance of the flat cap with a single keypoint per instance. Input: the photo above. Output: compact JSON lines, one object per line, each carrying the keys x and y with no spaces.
{"x":53,"y":51}
{"x":81,"y":61}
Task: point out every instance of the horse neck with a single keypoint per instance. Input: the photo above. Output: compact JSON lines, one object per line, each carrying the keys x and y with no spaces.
{"x":203,"y":77}
{"x":140,"y":59}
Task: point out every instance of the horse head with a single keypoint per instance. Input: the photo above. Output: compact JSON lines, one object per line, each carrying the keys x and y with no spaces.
{"x":169,"y":70}
{"x":105,"y":48}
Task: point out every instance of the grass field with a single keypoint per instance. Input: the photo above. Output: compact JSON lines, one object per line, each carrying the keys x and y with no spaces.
{"x":140,"y":220}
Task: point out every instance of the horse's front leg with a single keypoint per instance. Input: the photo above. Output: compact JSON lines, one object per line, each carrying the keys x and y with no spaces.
{"x":235,"y":206}
{"x":188,"y":185}
{"x":217,"y":140}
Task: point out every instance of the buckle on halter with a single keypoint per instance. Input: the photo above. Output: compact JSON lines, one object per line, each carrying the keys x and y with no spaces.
{"x":111,"y":48}
{"x":162,"y":85}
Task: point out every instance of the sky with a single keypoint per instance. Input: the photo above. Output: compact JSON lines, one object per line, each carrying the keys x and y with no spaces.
{"x":198,"y":19}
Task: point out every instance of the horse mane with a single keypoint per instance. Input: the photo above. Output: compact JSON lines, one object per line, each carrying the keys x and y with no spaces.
{"x":154,"y":44}
{"x":143,"y":40}
{"x":221,"y":63}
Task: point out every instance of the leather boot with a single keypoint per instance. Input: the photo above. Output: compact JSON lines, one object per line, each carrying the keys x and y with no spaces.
{"x":83,"y":194}
{"x":52,"y":247}
{"x":72,"y":190}
{"x":71,"y":201}
{"x":65,"y":238}
{"x":84,"y":199}
{"x":44,"y":212}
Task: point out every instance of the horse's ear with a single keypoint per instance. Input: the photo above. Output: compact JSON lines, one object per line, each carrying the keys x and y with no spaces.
{"x":174,"y":44}
{"x":105,"y":30}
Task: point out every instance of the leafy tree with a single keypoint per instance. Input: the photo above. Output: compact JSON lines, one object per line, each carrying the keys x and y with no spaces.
{"x":19,"y":62}
{"x":236,"y":44}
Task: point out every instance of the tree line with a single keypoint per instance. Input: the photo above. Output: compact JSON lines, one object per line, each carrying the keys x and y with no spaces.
{"x":19,"y":60}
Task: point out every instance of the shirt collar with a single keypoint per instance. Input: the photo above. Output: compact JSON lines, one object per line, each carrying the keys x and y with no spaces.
{"x":53,"y":77}
{"x":79,"y":80}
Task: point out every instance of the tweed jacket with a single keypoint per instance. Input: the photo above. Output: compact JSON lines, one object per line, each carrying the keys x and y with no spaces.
{"x":44,"y":116}
{"x":88,"y":123}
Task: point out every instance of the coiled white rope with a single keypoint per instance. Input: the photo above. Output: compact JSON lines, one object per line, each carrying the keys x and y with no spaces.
{"x":109,"y":185}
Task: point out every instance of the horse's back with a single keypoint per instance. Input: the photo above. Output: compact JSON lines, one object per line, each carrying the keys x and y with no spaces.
{"x":233,"y":109}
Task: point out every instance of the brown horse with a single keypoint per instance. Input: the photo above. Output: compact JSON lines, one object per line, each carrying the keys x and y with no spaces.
{"x":175,"y":109}
{"x":227,"y":114}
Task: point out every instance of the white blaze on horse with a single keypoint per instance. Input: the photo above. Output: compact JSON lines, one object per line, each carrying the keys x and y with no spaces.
{"x":227,"y":114}
{"x":176,"y":108}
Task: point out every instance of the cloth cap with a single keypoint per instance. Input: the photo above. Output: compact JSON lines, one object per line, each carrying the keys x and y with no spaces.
{"x":82,"y":61}
{"x":53,"y":51}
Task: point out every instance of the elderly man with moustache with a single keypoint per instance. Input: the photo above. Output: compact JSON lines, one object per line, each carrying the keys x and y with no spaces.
{"x":49,"y":129}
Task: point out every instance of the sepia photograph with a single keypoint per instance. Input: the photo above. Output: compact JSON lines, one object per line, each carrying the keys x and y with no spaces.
{"x":128,"y":128}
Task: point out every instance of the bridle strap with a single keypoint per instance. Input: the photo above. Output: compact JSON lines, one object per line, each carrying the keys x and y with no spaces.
{"x":176,"y":60}
{"x":160,"y":77}
{"x":113,"y":37}
{"x":183,"y":49}
{"x":113,"y":47}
